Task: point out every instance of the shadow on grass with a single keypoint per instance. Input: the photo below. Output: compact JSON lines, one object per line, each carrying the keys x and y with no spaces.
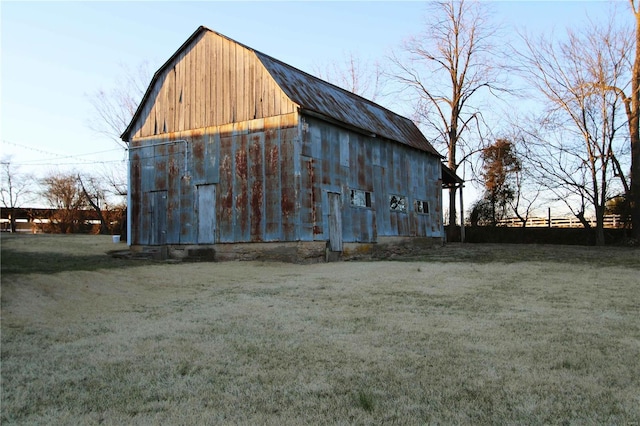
{"x":512,"y":253}
{"x":20,"y":262}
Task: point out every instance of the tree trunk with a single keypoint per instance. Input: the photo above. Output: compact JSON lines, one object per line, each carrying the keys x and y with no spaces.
{"x":583,"y":220}
{"x":103,"y":224}
{"x":12,"y":220}
{"x":452,"y":234}
{"x":634,"y":135}
{"x":599,"y":226}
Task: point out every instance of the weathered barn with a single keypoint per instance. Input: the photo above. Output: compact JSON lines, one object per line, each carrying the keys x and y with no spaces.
{"x":235,"y":153}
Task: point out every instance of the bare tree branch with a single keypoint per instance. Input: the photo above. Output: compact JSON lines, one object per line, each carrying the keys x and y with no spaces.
{"x":16,"y":189}
{"x":445,"y":68}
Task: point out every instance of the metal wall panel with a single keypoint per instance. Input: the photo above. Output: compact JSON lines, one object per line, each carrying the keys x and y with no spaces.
{"x":267,"y":191}
{"x":252,"y":164}
{"x":375,"y":165}
{"x":273,"y":185}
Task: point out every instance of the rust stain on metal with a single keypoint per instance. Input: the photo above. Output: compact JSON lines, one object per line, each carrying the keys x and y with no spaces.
{"x":311,"y":201}
{"x":241,"y":164}
{"x":287,"y":179}
{"x":160,"y":180}
{"x":226,"y":198}
{"x":198,"y":156}
{"x":174,"y":170}
{"x":242,"y":196}
{"x":326,"y":169}
{"x":255,"y":153}
{"x":256,"y":211}
{"x":171,"y":208}
{"x":136,"y":198}
{"x":272,"y":194}
{"x":273,"y":159}
{"x":361,"y":164}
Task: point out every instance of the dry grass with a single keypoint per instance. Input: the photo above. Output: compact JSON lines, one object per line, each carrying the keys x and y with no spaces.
{"x":511,"y":335}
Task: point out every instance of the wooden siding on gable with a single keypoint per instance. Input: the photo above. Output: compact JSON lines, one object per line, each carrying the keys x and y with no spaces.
{"x":211,"y":82}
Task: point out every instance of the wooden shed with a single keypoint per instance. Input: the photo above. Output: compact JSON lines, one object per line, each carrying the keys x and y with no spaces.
{"x":235,"y":153}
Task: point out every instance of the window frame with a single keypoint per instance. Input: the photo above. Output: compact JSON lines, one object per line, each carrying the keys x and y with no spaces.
{"x":402,"y":200}
{"x":367,"y":198}
{"x":422,"y":210}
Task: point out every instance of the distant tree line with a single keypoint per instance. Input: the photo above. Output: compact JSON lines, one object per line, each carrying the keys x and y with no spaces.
{"x":69,"y":195}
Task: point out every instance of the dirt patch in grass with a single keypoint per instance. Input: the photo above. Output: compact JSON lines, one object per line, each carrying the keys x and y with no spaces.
{"x":535,"y":338}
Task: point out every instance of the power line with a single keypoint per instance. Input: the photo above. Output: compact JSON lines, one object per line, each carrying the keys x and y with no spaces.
{"x":39,"y":162}
{"x":88,"y":163}
{"x":61,"y":156}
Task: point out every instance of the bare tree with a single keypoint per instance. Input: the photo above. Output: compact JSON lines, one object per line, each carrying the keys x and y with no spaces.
{"x":94,"y":196}
{"x":445,"y":68}
{"x":632,"y":107}
{"x":113,"y":109}
{"x":16,"y":189}
{"x":111,"y":215}
{"x":64,"y":195}
{"x":112,"y":112}
{"x":525,"y":190}
{"x":355,"y":75}
{"x":577,"y":155}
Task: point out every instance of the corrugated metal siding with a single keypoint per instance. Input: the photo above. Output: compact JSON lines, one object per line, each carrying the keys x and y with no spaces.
{"x":252,"y":164}
{"x":273,"y":181}
{"x":339,"y":160}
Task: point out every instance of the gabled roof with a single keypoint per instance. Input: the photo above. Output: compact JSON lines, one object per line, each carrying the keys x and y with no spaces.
{"x":318,"y":97}
{"x":324,"y":98}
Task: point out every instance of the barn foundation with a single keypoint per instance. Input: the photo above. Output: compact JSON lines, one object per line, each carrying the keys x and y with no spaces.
{"x":293,"y":252}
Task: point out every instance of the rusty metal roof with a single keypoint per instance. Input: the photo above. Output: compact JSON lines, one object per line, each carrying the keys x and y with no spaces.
{"x":321,"y":97}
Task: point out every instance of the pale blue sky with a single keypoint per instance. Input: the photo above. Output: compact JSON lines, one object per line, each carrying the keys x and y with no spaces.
{"x":56,"y":53}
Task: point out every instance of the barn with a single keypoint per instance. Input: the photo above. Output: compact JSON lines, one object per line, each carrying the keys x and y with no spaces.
{"x":236,"y":155}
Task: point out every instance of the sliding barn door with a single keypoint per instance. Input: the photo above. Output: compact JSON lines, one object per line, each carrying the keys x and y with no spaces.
{"x":158,"y":225}
{"x":335,"y":222}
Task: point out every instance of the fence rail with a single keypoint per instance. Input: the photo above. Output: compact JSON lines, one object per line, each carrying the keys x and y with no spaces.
{"x":610,"y":221}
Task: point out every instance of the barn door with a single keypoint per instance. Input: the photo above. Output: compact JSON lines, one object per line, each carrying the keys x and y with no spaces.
{"x":158,"y":225}
{"x":335,"y":222}
{"x":206,"y":212}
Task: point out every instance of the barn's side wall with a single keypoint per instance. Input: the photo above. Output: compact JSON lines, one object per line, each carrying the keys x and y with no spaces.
{"x":250,"y":166}
{"x":337,"y":160}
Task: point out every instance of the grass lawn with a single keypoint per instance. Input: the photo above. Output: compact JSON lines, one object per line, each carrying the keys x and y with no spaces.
{"x":466,"y":334}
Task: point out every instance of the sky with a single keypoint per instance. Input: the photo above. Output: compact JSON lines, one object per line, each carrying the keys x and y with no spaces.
{"x":54,"y":55}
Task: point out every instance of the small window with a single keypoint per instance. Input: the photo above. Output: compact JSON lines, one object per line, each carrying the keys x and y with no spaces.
{"x":398,"y":203}
{"x":422,"y":207}
{"x":360,"y":198}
